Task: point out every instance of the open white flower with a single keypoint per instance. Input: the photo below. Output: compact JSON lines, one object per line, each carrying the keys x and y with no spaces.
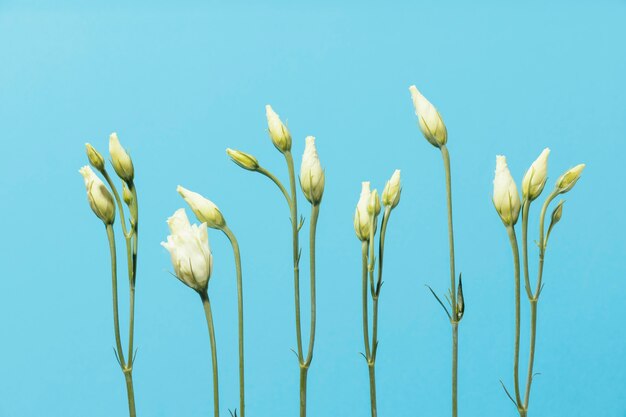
{"x":99,"y":197}
{"x":203,"y":208}
{"x":505,"y":196}
{"x":392,"y":190}
{"x":535,"y":179}
{"x":278,"y":131}
{"x":362,"y":218}
{"x":311,"y":173}
{"x":120,"y":159}
{"x":430,"y":121}
{"x":188,"y":246}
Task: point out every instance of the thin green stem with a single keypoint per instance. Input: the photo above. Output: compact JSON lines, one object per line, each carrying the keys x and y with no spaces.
{"x":118,"y":200}
{"x":365,"y":268}
{"x":237,"y":255}
{"x":455,"y":357}
{"x":525,"y":211}
{"x":531,"y":355}
{"x":303,"y":376}
{"x":315,"y":210}
{"x":276,"y":181}
{"x":206,"y":303}
{"x":381,"y":246}
{"x":372,"y":373}
{"x":130,"y":392}
{"x":515,"y":248}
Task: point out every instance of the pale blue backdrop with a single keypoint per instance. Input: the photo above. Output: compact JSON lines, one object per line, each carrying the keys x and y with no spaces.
{"x":181,"y":81}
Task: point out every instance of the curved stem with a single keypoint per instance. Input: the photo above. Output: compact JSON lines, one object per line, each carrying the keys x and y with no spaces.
{"x":515,"y":248}
{"x":237,"y":255}
{"x":206,"y":303}
{"x":315,"y":210}
{"x":276,"y":181}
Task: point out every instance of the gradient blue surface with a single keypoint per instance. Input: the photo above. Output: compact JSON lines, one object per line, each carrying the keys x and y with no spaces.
{"x":181,"y":83}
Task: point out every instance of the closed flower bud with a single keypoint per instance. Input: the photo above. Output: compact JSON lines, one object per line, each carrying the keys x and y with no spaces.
{"x":392,"y":191}
{"x":127,"y":195}
{"x":278,"y":131}
{"x":95,"y":158}
{"x":430,"y":121}
{"x":373,"y":206}
{"x":505,"y":196}
{"x":120,"y":159}
{"x":244,"y":160}
{"x":204,"y":209}
{"x":362,"y":220}
{"x":536,"y":176}
{"x":567,"y":181}
{"x":99,"y":197}
{"x":311,"y":173}
{"x":188,"y":246}
{"x":557,"y":213}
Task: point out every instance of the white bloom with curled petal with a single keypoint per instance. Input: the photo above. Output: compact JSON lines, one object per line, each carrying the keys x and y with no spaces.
{"x":535,"y":179}
{"x":505,"y":196}
{"x":281,"y":138}
{"x":311,"y":173}
{"x":99,"y":197}
{"x":430,"y":121}
{"x":362,"y":218}
{"x":188,"y":246}
{"x":392,"y":190}
{"x":120,"y":159}
{"x":203,"y":208}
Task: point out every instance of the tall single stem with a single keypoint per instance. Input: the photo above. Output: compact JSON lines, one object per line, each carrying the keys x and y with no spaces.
{"x":315,"y":211}
{"x":455,"y":316}
{"x":372,"y":373}
{"x":237,"y":255}
{"x":130,"y":392}
{"x":366,"y":337}
{"x":206,"y":303}
{"x":515,"y":248}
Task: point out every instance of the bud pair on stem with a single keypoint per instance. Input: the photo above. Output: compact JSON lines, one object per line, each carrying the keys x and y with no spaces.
{"x":103,"y":203}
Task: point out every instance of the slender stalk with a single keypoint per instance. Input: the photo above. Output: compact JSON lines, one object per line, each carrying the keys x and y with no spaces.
{"x":525,"y":210}
{"x":130,"y":392}
{"x":366,"y":337}
{"x":276,"y":181}
{"x":455,"y":317}
{"x":315,"y":211}
{"x":515,"y":248}
{"x":206,"y":303}
{"x":372,"y":373}
{"x":303,"y":376}
{"x":531,"y":355}
{"x":237,"y":255}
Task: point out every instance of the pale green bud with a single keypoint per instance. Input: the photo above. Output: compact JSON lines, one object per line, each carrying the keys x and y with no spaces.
{"x":99,"y":197}
{"x":567,"y":181}
{"x":120,"y":159}
{"x":203,"y":208}
{"x":127,"y":196}
{"x":373,"y":205}
{"x":278,"y":131}
{"x":430,"y":121}
{"x":557,"y":213}
{"x":95,"y":158}
{"x":312,"y":177}
{"x":392,"y":191}
{"x":505,"y":196}
{"x":535,"y":179}
{"x":362,"y":220}
{"x":244,"y":160}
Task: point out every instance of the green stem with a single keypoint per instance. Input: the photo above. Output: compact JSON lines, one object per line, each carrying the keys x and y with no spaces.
{"x":516,"y":260}
{"x":315,"y":210}
{"x":237,"y":255}
{"x":455,"y":357}
{"x":525,"y":210}
{"x":206,"y":303}
{"x":366,"y":337}
{"x":118,"y":200}
{"x":531,"y":356}
{"x":372,"y":373}
{"x":303,"y":375}
{"x":276,"y":181}
{"x":130,"y":392}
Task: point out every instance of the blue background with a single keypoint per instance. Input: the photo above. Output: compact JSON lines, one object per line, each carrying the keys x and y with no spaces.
{"x":180,"y":83}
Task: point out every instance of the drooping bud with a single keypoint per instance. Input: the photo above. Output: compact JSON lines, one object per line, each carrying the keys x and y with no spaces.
{"x":244,"y":160}
{"x":203,"y":208}
{"x":430,"y":121}
{"x":311,"y":173}
{"x":392,"y":191}
{"x":120,"y":159}
{"x":99,"y":197}
{"x":505,"y":196}
{"x":278,"y":131}
{"x":567,"y":181}
{"x":95,"y":158}
{"x":535,"y":179}
{"x":361,"y":215}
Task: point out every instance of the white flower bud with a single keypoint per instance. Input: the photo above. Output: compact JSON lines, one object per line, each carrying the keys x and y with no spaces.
{"x":535,"y":179}
{"x":430,"y":121}
{"x":278,"y":131}
{"x":362,"y":218}
{"x":244,"y":160}
{"x":99,"y":197}
{"x":127,"y":196}
{"x":373,"y":206}
{"x":392,"y":191}
{"x":567,"y":181}
{"x":188,"y":246}
{"x":505,"y":196}
{"x":120,"y":159}
{"x":95,"y":158}
{"x":311,"y":173}
{"x":204,"y":209}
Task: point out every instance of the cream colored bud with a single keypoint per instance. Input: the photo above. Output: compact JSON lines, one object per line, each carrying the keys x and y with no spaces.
{"x":557,"y":213}
{"x":244,"y":160}
{"x":203,"y":208}
{"x":535,"y":179}
{"x":120,"y":159}
{"x":311,"y":173}
{"x":392,"y":191}
{"x":505,"y":196}
{"x":95,"y":158}
{"x":189,"y":248}
{"x":430,"y":121}
{"x":567,"y":181}
{"x":362,"y":220}
{"x":278,"y":131}
{"x":127,"y":195}
{"x":99,"y":197}
{"x":373,"y":205}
